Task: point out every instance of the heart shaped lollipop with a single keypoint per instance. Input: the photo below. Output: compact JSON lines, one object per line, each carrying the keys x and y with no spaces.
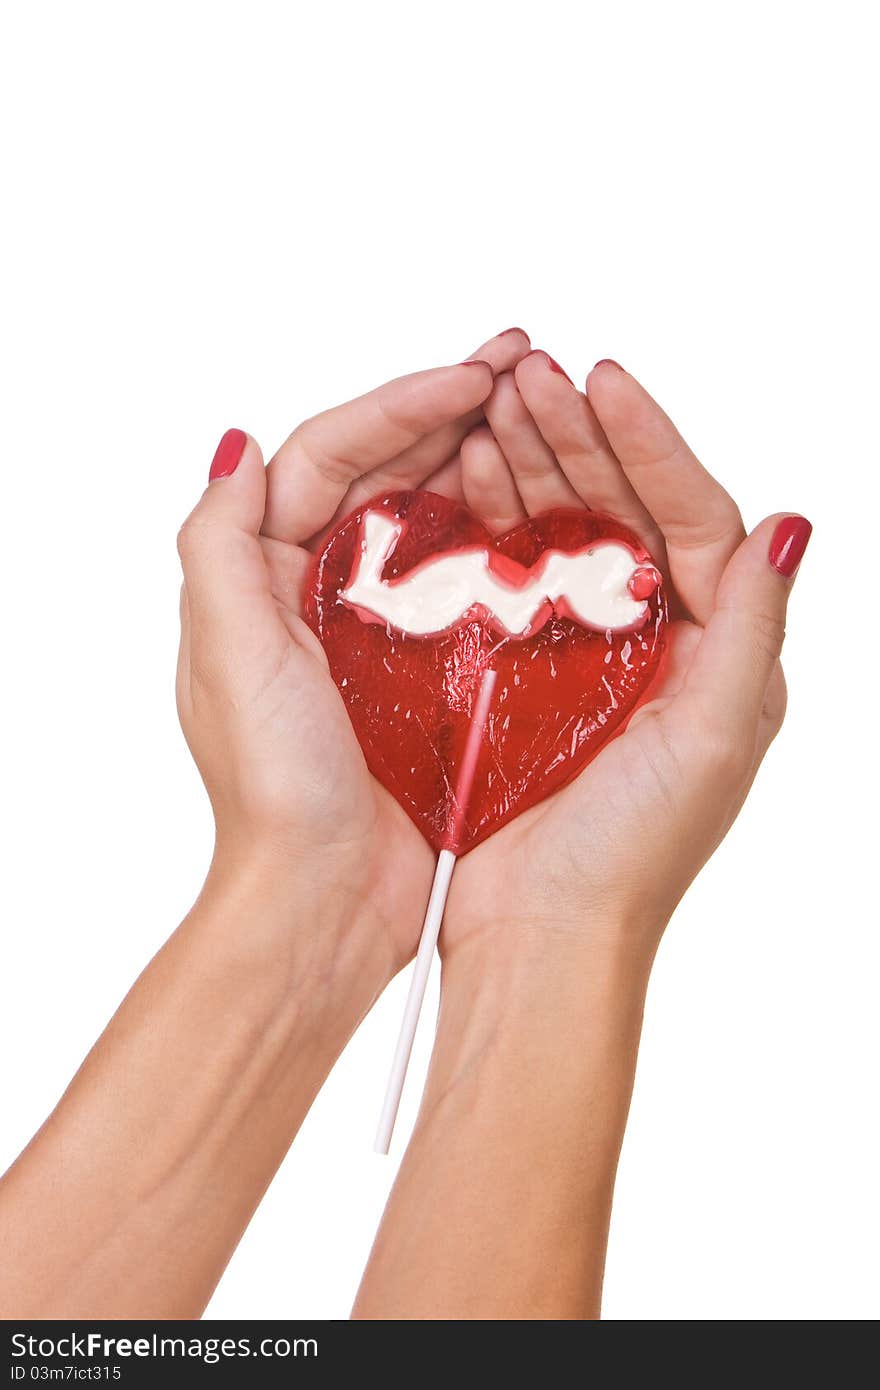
{"x":414,"y":601}
{"x":480,"y":673}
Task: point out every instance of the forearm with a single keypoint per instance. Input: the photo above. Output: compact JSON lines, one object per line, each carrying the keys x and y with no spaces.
{"x":133,"y":1195}
{"x":502,"y":1204}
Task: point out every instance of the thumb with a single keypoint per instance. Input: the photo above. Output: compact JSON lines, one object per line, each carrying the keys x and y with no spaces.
{"x":728,"y":677}
{"x":224,"y":571}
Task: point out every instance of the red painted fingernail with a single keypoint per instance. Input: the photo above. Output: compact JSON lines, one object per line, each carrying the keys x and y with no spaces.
{"x":477,"y":362}
{"x":228,"y":455}
{"x":608,"y":362}
{"x":789,"y":543}
{"x":516,"y":330}
{"x":555,"y":367}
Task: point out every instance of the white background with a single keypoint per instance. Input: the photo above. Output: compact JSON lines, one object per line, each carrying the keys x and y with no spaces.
{"x":225,"y":215}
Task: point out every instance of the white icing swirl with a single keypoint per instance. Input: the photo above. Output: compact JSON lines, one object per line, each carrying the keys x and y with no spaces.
{"x":591,"y":586}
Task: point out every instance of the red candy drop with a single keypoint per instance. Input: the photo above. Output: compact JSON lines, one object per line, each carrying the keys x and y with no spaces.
{"x":643,"y":583}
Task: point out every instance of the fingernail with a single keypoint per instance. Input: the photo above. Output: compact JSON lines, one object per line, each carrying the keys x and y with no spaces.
{"x":477,"y":362}
{"x":555,"y":367}
{"x":789,"y":543}
{"x":516,"y":330}
{"x":608,"y":362}
{"x":228,"y":455}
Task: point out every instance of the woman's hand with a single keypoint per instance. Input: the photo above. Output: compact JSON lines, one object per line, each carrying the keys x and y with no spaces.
{"x":552,"y":923}
{"x":620,"y":845}
{"x":136,"y":1190}
{"x":287,"y":780}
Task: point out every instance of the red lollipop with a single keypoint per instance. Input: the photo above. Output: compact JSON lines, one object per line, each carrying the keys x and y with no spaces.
{"x":567,"y":681}
{"x":480,"y":673}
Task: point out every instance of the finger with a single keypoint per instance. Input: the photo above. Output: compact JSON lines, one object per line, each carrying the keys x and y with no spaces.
{"x":410,"y":470}
{"x":683,"y":639}
{"x":487,"y":482}
{"x":772,"y":715}
{"x":416,"y":465}
{"x":539,"y":480}
{"x":228,"y":598}
{"x":288,"y":567}
{"x":505,"y":350}
{"x":568,"y":424}
{"x":729,"y":689}
{"x":314,"y":469}
{"x":773,"y":709}
{"x":447,"y":480}
{"x":700,"y":521}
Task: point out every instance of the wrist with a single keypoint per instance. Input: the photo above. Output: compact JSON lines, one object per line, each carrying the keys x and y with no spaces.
{"x":297,"y":936}
{"x":526,"y":950}
{"x":511,"y":908}
{"x":536,"y":1003}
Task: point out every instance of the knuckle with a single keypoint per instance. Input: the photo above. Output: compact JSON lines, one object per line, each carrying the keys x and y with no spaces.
{"x":724,"y":751}
{"x":482,"y":470}
{"x":477,"y":441}
{"x":192,"y":537}
{"x":397,"y":419}
{"x":185,"y":540}
{"x":768,"y":633}
{"x":307,"y":441}
{"x":775,"y":702}
{"x":721,"y":524}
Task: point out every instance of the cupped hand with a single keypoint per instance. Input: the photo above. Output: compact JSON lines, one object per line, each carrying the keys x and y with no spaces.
{"x":621,"y":844}
{"x":266,"y":725}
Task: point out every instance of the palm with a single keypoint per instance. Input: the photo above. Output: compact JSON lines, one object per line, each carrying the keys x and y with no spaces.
{"x":323,"y":778}
{"x":624,"y":798}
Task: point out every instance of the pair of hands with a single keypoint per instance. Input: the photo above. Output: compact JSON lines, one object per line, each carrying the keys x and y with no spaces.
{"x":510,"y":435}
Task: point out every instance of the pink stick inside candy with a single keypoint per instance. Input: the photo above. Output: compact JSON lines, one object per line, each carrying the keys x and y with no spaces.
{"x":464,"y":785}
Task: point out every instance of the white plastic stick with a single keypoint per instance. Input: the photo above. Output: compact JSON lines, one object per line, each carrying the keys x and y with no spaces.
{"x":433,"y":920}
{"x":418,"y":983}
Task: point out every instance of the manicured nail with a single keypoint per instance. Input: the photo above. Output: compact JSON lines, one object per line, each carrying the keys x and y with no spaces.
{"x":228,"y":455}
{"x":608,"y":362}
{"x":789,"y":543}
{"x":477,"y":362}
{"x":516,"y":330}
{"x":555,"y":367}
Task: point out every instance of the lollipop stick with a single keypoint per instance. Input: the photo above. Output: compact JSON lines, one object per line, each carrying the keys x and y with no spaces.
{"x":418,"y":983}
{"x":433,"y":920}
